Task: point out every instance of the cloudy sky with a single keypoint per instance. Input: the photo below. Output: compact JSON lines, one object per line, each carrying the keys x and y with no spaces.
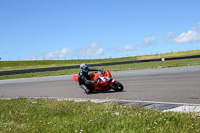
{"x":90,"y":29}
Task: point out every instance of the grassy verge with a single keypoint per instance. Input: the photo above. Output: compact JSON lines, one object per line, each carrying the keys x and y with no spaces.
{"x":13,"y":65}
{"x":134,"y":66}
{"x":32,"y":115}
{"x":169,"y":55}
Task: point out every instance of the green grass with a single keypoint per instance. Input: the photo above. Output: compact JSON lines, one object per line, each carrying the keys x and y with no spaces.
{"x":134,"y":66}
{"x":170,"y":55}
{"x":34,"y":115}
{"x":13,"y":65}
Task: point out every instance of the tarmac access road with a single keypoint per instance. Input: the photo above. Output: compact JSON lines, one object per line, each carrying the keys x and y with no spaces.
{"x":176,"y":84}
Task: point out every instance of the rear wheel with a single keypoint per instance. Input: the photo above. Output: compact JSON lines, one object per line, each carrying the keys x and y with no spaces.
{"x":117,"y":86}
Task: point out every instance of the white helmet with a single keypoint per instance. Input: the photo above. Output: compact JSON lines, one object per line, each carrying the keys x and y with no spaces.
{"x":84,"y":67}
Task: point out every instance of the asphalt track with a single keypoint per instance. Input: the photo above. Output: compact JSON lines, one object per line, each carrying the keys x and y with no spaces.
{"x":177,"y":85}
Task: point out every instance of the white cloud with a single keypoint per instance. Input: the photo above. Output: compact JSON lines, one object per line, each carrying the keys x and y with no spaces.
{"x":149,"y":41}
{"x":130,"y":48}
{"x":170,"y":36}
{"x":57,"y":54}
{"x":197,"y":28}
{"x":93,"y":49}
{"x":31,"y":57}
{"x":192,"y":35}
{"x":63,"y":52}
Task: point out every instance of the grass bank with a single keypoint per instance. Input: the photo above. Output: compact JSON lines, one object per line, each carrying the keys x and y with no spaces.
{"x":170,"y":55}
{"x":14,"y":65}
{"x":134,"y":66}
{"x":34,"y":115}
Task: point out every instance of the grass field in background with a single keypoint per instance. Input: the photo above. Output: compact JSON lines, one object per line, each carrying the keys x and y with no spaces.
{"x":170,"y":55}
{"x":134,"y":66}
{"x":34,"y":115}
{"x":14,"y":65}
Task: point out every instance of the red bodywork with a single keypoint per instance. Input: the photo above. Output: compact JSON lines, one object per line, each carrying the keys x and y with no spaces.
{"x":103,"y":83}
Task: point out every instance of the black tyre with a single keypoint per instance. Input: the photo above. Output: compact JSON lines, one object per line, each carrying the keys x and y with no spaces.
{"x":117,"y":86}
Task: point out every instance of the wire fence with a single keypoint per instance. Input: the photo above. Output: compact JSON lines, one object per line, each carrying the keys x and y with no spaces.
{"x":68,"y":57}
{"x":10,"y":72}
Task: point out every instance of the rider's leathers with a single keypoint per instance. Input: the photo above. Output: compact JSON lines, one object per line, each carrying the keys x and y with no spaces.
{"x":84,"y":78}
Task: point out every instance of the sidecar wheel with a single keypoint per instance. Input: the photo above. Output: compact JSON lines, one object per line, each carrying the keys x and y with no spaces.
{"x":117,"y":86}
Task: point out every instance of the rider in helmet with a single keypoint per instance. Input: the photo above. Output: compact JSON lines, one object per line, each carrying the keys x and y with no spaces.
{"x":83,"y":78}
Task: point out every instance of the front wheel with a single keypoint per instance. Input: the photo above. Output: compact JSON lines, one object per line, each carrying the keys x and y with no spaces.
{"x":117,"y":86}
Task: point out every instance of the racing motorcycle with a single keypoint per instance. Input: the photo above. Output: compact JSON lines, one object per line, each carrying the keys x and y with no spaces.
{"x":104,"y":81}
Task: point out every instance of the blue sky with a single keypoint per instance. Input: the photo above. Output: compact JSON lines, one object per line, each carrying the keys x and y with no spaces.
{"x":89,"y":29}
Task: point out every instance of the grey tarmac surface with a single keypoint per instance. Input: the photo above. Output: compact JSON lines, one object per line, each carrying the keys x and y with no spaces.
{"x":165,"y":85}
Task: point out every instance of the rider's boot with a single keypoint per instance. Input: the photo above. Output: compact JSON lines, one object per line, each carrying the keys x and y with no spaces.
{"x":85,"y":88}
